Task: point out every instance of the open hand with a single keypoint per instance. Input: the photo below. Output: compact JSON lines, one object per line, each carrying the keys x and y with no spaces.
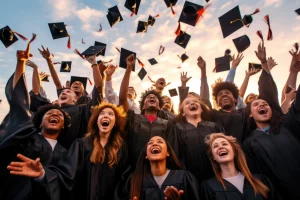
{"x":130,"y":60}
{"x":271,"y":63}
{"x":45,"y":53}
{"x":31,"y":64}
{"x":91,"y":59}
{"x":183,"y":77}
{"x":236,"y":61}
{"x":171,"y":193}
{"x":201,"y":63}
{"x":252,"y":71}
{"x":29,"y":167}
{"x":110,"y":70}
{"x":261,"y":52}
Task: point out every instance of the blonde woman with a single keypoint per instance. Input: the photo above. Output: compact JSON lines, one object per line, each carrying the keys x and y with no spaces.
{"x":232,"y":180}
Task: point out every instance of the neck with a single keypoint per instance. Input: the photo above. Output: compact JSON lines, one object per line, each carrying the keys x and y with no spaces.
{"x":262,"y":125}
{"x":78,"y":94}
{"x":49,"y":134}
{"x":104,"y":138}
{"x":233,"y":108}
{"x":158,"y":91}
{"x":228,"y":170}
{"x":194,"y":120}
{"x":158,"y":168}
{"x":129,"y":97}
{"x":151,"y":112}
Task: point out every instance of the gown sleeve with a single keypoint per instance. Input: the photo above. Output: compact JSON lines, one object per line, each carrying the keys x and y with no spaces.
{"x":206,"y":192}
{"x":36,"y":101}
{"x":62,"y":176}
{"x":191,"y":187}
{"x":272,"y":194}
{"x":18,"y":122}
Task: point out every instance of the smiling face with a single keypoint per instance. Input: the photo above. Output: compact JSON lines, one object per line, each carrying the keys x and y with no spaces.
{"x":77,"y":87}
{"x":160,"y":84}
{"x":131,"y":93}
{"x":106,"y":120}
{"x":53,"y":121}
{"x":260,"y":111}
{"x":66,"y":97}
{"x":222,"y":151}
{"x":151,"y":102}
{"x":225,"y":99}
{"x":157,"y":149}
{"x":191,"y":107}
{"x":167,"y":103}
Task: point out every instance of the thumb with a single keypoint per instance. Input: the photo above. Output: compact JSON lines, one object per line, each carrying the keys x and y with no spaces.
{"x":181,"y":192}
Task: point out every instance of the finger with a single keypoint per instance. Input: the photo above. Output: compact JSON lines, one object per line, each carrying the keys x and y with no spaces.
{"x":19,"y":173}
{"x":40,"y":51}
{"x":181,"y":192}
{"x":15,"y":169}
{"x":27,"y":52}
{"x":43,"y":48}
{"x":23,"y":158}
{"x":189,"y":78}
{"x":17,"y":164}
{"x":47,"y":49}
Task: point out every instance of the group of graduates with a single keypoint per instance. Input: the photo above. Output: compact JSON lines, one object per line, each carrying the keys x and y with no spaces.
{"x":105,"y":146}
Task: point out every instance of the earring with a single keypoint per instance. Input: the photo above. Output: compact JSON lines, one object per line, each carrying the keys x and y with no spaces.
{"x":146,"y":157}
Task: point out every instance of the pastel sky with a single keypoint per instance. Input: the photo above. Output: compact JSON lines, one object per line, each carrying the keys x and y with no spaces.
{"x":84,"y":16}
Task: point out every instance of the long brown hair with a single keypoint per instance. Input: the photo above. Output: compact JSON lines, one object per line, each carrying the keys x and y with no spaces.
{"x":115,"y":140}
{"x":143,"y":168}
{"x":172,"y":104}
{"x":239,"y":162}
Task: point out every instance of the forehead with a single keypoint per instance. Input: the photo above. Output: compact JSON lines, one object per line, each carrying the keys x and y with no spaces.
{"x":190,"y":98}
{"x":219,"y":140}
{"x":107,"y":109}
{"x":258,"y":101}
{"x":166,"y":98}
{"x":151,"y":95}
{"x":155,"y":138}
{"x":225,"y":90}
{"x":78,"y":82}
{"x":53,"y":111}
{"x":161,"y":79}
{"x":68,"y":90}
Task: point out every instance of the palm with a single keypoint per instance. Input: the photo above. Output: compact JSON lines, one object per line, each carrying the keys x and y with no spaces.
{"x":110,"y":70}
{"x":261,"y":52}
{"x":172,"y":193}
{"x":236,"y":61}
{"x":271,"y":63}
{"x":201,"y":63}
{"x":130,"y":61}
{"x":252,"y":71}
{"x":45,"y":52}
{"x":184,"y":77}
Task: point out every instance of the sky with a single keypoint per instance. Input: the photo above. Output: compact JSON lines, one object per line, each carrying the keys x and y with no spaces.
{"x":83,"y":17}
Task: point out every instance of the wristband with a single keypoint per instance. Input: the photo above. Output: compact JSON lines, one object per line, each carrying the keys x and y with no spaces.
{"x":94,"y":65}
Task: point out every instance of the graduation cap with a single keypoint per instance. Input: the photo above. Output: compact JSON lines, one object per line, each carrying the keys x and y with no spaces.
{"x":228,"y":23}
{"x":58,"y":30}
{"x":161,"y":50}
{"x":171,"y":3}
{"x":102,"y":53}
{"x":142,"y":27}
{"x":124,"y":53}
{"x":8,"y":37}
{"x":151,"y":20}
{"x":114,"y":16}
{"x":183,"y":39}
{"x":152,"y":61}
{"x":255,"y":66}
{"x":133,"y":6}
{"x":91,"y":51}
{"x":142,"y":73}
{"x":46,"y":78}
{"x":241,"y":43}
{"x":183,"y":57}
{"x":65,"y":66}
{"x":190,"y":13}
{"x":298,"y":11}
{"x":83,"y":80}
{"x":173,"y":92}
{"x":222,"y":64}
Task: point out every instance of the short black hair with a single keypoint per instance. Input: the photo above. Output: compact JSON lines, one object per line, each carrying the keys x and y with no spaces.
{"x":218,"y":86}
{"x":38,"y":117}
{"x":145,"y":94}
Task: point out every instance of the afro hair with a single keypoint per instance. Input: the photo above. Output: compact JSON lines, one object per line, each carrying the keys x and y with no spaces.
{"x":38,"y":117}
{"x":218,"y":86}
{"x":145,"y":94}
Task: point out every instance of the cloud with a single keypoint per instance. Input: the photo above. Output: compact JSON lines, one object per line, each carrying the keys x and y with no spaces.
{"x":225,"y":5}
{"x":276,"y":3}
{"x":87,"y":14}
{"x":63,"y":9}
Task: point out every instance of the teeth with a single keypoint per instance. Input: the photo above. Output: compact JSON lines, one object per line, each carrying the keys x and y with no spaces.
{"x":155,"y":151}
{"x":53,"y":121}
{"x":223,"y":153}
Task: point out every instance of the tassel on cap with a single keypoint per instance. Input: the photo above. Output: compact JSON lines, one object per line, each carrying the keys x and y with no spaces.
{"x":156,"y":16}
{"x":118,"y":49}
{"x":133,"y":12}
{"x":91,"y":83}
{"x":161,"y":50}
{"x":56,"y":63}
{"x":100,"y":29}
{"x":77,"y":52}
{"x":270,"y":34}
{"x":256,"y":11}
{"x":260,"y":35}
{"x":151,"y":79}
{"x":173,"y":12}
{"x":21,"y":36}
{"x":33,"y":37}
{"x":140,"y":62}
{"x":201,"y":12}
{"x":178,"y":30}
{"x":69,"y":42}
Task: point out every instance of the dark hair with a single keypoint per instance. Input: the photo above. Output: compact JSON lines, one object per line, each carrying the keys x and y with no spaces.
{"x":275,"y":122}
{"x":246,"y":102}
{"x":143,"y":168}
{"x":145,"y":94}
{"x":218,"y":86}
{"x":115,"y":139}
{"x":38,"y":117}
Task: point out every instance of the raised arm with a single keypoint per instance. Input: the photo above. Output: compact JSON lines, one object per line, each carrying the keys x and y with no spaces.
{"x":204,"y":89}
{"x":96,"y":73}
{"x":246,"y":81}
{"x":235,"y":63}
{"x":125,"y":83}
{"x":110,"y":94}
{"x":183,"y":90}
{"x":36,"y":81}
{"x":47,"y":55}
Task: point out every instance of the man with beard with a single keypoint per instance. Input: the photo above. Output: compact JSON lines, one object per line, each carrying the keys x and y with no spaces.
{"x":141,"y":127}
{"x":76,"y":86}
{"x":112,"y":97}
{"x":36,"y":138}
{"x":80,"y":113}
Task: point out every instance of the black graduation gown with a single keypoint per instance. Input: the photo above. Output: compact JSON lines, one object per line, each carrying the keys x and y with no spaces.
{"x":139,"y":131}
{"x":22,"y":137}
{"x":212,"y":189}
{"x":79,"y":113}
{"x":180,"y":179}
{"x":187,"y":142}
{"x":75,"y":177}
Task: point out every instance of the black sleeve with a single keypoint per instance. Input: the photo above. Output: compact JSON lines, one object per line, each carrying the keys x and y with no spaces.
{"x":62,"y":176}
{"x":268,"y":91}
{"x":36,"y":101}
{"x":58,"y":91}
{"x":191,"y":187}
{"x":205,"y":192}
{"x":18,"y":122}
{"x":183,"y":92}
{"x":251,"y":161}
{"x":173,"y":140}
{"x":272,"y":194}
{"x":96,"y":97}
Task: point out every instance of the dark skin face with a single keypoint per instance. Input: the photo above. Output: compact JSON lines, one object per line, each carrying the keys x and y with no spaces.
{"x":151,"y":102}
{"x":53,"y":121}
{"x":225,"y":100}
{"x":261,"y":111}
